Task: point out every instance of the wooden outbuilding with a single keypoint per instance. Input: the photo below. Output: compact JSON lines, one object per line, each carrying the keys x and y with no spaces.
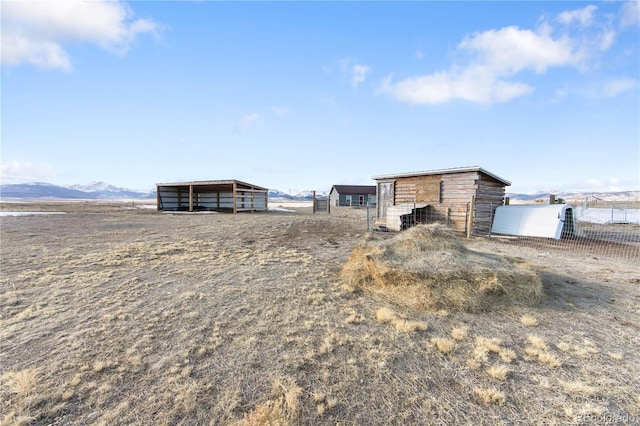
{"x":352,"y":195}
{"x":230,"y":196}
{"x":463,"y":198}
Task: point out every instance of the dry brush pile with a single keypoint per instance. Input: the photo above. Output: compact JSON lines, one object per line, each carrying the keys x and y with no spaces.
{"x":428,"y":268}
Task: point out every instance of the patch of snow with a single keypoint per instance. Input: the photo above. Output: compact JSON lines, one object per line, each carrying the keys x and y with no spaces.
{"x":299,"y":204}
{"x":280,"y":209}
{"x":141,"y":206}
{"x":607,"y":215}
{"x":27,"y":213}
{"x":185,"y":212}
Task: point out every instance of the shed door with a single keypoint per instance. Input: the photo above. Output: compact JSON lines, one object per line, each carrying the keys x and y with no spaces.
{"x":385,"y":198}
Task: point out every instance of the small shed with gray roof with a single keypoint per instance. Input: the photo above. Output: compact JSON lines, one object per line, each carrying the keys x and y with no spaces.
{"x":352,"y":195}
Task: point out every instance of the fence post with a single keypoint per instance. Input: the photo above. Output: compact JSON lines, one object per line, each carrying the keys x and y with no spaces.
{"x":470,"y":216}
{"x":490,"y":217}
{"x":368,"y":224}
{"x":612,"y":212}
{"x":313,"y":208}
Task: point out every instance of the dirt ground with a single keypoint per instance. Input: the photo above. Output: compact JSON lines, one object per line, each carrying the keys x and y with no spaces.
{"x":112,"y":314}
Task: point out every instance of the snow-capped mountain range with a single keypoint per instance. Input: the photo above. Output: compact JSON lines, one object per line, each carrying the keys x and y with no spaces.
{"x":92,"y":191}
{"x":105,"y":191}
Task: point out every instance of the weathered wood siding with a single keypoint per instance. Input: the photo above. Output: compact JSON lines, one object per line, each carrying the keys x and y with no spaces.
{"x":418,"y":189}
{"x":489,"y":196}
{"x":449,"y":196}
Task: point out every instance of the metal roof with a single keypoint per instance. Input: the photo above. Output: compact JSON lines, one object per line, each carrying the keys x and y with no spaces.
{"x":442,"y":172}
{"x":354,"y":189}
{"x":213,"y":183}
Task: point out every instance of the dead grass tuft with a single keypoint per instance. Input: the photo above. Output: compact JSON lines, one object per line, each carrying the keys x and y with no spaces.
{"x":529,"y":321}
{"x":283,"y":409}
{"x":354,"y":317}
{"x":460,"y":333}
{"x":490,"y":396}
{"x":444,"y":345}
{"x":21,"y":382}
{"x":539,"y":349}
{"x":386,"y":315}
{"x":484,"y":346}
{"x":537,"y":342}
{"x":498,"y":371}
{"x":428,"y":268}
{"x":580,"y":388}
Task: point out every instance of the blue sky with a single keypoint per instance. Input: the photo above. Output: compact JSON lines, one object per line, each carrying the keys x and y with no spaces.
{"x":305,"y":95}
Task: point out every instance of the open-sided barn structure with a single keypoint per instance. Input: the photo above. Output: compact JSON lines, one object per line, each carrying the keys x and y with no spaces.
{"x":464,"y":198}
{"x":230,"y":196}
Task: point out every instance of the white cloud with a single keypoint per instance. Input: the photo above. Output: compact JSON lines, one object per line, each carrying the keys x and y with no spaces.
{"x":510,"y":50}
{"x":18,"y":172}
{"x":606,"y":39}
{"x":35,"y":32}
{"x":281,"y":111}
{"x":41,"y":53}
{"x":630,"y":14}
{"x":249,"y":120}
{"x":496,"y":55}
{"x":611,"y":184}
{"x":582,"y":16}
{"x":442,"y":87}
{"x":359,"y":74}
{"x":613,"y":88}
{"x":419,"y":55}
{"x":356,"y":72}
{"x":489,"y":61}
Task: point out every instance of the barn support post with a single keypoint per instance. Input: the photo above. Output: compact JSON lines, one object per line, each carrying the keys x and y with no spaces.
{"x":235,"y":201}
{"x":158,"y":199}
{"x":190,"y":198}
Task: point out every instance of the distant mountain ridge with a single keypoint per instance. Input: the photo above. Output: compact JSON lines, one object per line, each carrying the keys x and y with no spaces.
{"x":572,"y":197}
{"x":105,"y":191}
{"x":92,"y":191}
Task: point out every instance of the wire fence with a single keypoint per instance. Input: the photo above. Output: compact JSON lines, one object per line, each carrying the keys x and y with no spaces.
{"x":598,"y":229}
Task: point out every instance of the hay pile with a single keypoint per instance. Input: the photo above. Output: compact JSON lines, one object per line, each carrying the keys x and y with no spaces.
{"x":428,"y":268}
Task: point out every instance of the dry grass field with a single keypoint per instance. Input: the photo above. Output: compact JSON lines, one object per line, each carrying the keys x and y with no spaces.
{"x":129,"y":316}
